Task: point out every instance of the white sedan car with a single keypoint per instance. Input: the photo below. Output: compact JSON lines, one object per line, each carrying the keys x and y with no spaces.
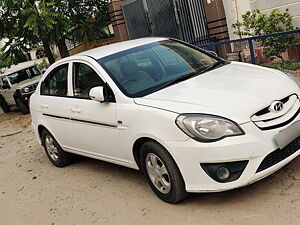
{"x":189,"y":120}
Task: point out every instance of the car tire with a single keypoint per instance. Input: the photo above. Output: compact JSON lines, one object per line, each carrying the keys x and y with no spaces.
{"x":22,"y":106}
{"x":55,"y":153}
{"x":3,"y":104}
{"x":162,"y":173}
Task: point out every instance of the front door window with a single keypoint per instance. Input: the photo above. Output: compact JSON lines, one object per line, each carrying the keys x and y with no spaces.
{"x":85,"y":78}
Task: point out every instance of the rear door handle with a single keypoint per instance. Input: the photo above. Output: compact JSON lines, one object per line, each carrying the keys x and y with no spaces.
{"x":76,"y":110}
{"x":44,"y":106}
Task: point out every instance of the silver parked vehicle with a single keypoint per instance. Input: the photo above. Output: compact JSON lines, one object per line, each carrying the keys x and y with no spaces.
{"x":17,"y":84}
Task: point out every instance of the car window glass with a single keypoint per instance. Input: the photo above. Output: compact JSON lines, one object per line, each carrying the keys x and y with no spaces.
{"x":56,"y":82}
{"x":84,"y":79}
{"x":35,"y":71}
{"x":143,"y":69}
{"x":23,"y":74}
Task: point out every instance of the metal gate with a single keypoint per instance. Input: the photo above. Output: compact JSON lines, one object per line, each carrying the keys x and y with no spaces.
{"x":182,"y":19}
{"x":136,"y":19}
{"x":192,"y":19}
{"x":162,"y":18}
{"x":150,"y":18}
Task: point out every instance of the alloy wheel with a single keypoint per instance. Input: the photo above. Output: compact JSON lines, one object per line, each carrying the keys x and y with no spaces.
{"x":158,"y":173}
{"x":51,"y":148}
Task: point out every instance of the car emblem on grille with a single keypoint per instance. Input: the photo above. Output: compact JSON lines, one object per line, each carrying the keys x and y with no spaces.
{"x":276,"y":106}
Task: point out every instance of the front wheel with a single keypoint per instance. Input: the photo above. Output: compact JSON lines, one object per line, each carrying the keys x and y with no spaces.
{"x":162,"y":173}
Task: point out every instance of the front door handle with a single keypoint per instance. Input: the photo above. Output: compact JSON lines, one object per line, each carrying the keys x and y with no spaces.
{"x":44,"y":106}
{"x":76,"y":110}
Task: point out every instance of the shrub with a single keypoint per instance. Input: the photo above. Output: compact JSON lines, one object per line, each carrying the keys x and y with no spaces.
{"x":256,"y":23}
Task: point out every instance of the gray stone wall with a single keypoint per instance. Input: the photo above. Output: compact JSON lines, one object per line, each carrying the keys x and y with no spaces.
{"x":267,"y":5}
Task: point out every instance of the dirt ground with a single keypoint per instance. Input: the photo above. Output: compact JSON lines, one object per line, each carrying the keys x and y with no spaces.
{"x":32,"y":191}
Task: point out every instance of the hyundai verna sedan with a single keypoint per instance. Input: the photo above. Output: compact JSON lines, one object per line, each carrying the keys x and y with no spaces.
{"x":192,"y":122}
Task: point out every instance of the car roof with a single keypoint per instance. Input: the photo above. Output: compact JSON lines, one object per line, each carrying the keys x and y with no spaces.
{"x":110,"y":49}
{"x":15,"y":68}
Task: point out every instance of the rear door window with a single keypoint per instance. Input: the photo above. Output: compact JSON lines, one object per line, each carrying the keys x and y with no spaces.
{"x":56,"y":83}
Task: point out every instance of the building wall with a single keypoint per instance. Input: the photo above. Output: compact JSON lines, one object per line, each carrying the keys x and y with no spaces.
{"x":216,"y":19}
{"x":267,"y":5}
{"x":115,"y":11}
{"x":234,"y":9}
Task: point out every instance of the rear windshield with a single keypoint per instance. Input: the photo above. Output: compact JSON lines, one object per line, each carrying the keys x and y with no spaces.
{"x":24,"y":74}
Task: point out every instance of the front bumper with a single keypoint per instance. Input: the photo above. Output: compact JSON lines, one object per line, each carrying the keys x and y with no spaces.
{"x":254,"y":147}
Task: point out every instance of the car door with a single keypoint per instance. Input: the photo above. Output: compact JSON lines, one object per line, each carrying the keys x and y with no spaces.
{"x":94,"y":123}
{"x":6,"y":91}
{"x":55,"y":106}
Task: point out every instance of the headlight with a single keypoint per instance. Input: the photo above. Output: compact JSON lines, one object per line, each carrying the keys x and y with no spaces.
{"x":25,"y":90}
{"x":292,"y":77}
{"x":207,"y":128}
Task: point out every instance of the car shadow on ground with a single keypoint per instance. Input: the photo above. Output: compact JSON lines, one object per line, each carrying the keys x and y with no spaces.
{"x":278,"y":183}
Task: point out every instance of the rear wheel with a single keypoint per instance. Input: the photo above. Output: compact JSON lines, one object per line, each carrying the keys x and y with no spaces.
{"x":162,"y":173}
{"x":22,"y":106}
{"x":3,"y":104}
{"x":55,"y":153}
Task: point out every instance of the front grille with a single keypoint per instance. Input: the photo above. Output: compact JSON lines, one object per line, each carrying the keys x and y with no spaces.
{"x":267,"y":119}
{"x":279,"y":155}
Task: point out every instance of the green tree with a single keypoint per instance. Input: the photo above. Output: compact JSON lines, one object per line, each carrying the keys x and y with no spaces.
{"x":4,"y":61}
{"x":256,"y":23}
{"x":17,"y":43}
{"x":27,"y":23}
{"x":88,"y":19}
{"x":40,"y":20}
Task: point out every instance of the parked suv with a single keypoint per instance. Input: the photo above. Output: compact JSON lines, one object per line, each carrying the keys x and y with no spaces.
{"x":17,"y":84}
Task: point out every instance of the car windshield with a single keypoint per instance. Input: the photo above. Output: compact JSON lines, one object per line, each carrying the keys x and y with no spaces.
{"x":24,"y":74}
{"x":145,"y":69}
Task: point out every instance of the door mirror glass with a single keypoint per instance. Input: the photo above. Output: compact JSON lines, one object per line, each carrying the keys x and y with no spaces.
{"x":97,"y":94}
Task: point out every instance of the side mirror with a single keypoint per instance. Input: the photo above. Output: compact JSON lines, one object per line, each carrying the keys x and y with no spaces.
{"x":5,"y":86}
{"x":97,"y":94}
{"x":213,"y":53}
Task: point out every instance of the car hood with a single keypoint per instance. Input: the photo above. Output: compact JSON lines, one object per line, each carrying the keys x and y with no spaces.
{"x":27,"y":82}
{"x":235,"y":91}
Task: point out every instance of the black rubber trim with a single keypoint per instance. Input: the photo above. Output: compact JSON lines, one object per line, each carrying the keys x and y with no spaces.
{"x":96,"y":123}
{"x":80,"y":120}
{"x":236,"y":169}
{"x":266,"y":109}
{"x":281,"y":124}
{"x":55,"y":116}
{"x":279,"y":155}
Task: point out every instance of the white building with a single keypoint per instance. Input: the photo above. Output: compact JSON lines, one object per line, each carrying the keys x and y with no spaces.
{"x":234,"y":9}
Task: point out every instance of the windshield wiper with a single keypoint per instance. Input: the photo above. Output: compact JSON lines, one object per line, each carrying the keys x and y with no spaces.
{"x":213,"y":66}
{"x":181,"y":78}
{"x":190,"y":75}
